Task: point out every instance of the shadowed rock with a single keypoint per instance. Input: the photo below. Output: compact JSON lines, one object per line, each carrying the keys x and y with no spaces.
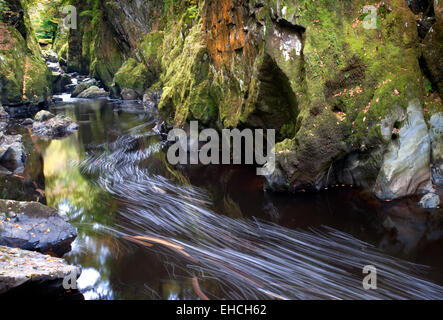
{"x":93,"y":92}
{"x":33,"y":226}
{"x":19,"y":267}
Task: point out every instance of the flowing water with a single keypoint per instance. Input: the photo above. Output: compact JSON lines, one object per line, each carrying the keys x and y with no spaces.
{"x":148,"y":230}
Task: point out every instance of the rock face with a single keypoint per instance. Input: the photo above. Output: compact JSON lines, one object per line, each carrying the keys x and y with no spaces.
{"x":436,"y":135}
{"x":60,"y":81}
{"x":327,"y":76}
{"x":54,"y":127}
{"x":430,"y":201}
{"x":432,"y":48}
{"x":33,"y":226}
{"x":12,"y":152}
{"x":93,"y":92}
{"x":19,"y":267}
{"x":24,"y":77}
{"x":406,"y":165}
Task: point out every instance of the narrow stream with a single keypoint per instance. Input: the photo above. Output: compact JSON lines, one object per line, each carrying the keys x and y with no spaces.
{"x":148,"y":230}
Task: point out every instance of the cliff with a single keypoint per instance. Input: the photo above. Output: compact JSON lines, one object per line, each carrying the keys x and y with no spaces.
{"x":24,"y":77}
{"x":349,"y":88}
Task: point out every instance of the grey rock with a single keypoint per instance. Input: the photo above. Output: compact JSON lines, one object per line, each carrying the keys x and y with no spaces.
{"x":4,"y":116}
{"x":18,"y":267}
{"x":27,"y":122}
{"x":12,"y":152}
{"x":406,"y":164}
{"x":129,"y":94}
{"x":82,"y":86}
{"x":33,"y":226}
{"x":436,"y":135}
{"x":56,"y":127}
{"x":93,"y":92}
{"x":43,"y":116}
{"x":430,"y":201}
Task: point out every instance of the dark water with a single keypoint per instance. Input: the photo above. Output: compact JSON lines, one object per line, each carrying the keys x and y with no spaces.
{"x":148,"y":230}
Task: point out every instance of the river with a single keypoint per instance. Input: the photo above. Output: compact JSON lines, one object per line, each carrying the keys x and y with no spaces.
{"x":148,"y":230}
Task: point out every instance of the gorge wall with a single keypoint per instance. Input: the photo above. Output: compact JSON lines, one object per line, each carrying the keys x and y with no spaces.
{"x":24,"y":77}
{"x":351,"y":96}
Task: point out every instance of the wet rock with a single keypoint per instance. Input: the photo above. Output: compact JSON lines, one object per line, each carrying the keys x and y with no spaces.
{"x":19,"y":267}
{"x":275,"y":180}
{"x":27,"y":122}
{"x":43,"y":116}
{"x":60,"y":81}
{"x":33,"y":226}
{"x":12,"y":153}
{"x":70,"y":87}
{"x":93,"y":92}
{"x":50,"y":56}
{"x":4,"y":116}
{"x":436,"y":135}
{"x":56,"y":127}
{"x":430,"y":201}
{"x":82,"y":86}
{"x":151,"y":99}
{"x":129,"y":94}
{"x":406,"y":165}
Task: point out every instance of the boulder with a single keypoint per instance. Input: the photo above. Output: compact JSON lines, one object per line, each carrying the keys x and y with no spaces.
{"x":12,"y":152}
{"x":27,"y":122}
{"x":56,"y":127}
{"x":436,"y":135}
{"x":43,"y":116}
{"x":430,"y":201}
{"x":19,"y":267}
{"x":152,"y":99}
{"x":129,"y":94}
{"x":60,"y":81}
{"x":4,"y":116}
{"x":93,"y":92}
{"x":82,"y":86}
{"x":406,"y":164}
{"x":33,"y":226}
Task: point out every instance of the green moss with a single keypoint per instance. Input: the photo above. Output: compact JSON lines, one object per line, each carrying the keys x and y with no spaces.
{"x":24,"y":77}
{"x":188,"y":88}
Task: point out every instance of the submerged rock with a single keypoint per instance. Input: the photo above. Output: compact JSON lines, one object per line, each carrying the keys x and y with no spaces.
{"x":93,"y":92}
{"x":406,"y":165}
{"x":33,"y":226}
{"x":430,"y":201}
{"x":56,"y":127}
{"x":19,"y":267}
{"x":12,"y":152}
